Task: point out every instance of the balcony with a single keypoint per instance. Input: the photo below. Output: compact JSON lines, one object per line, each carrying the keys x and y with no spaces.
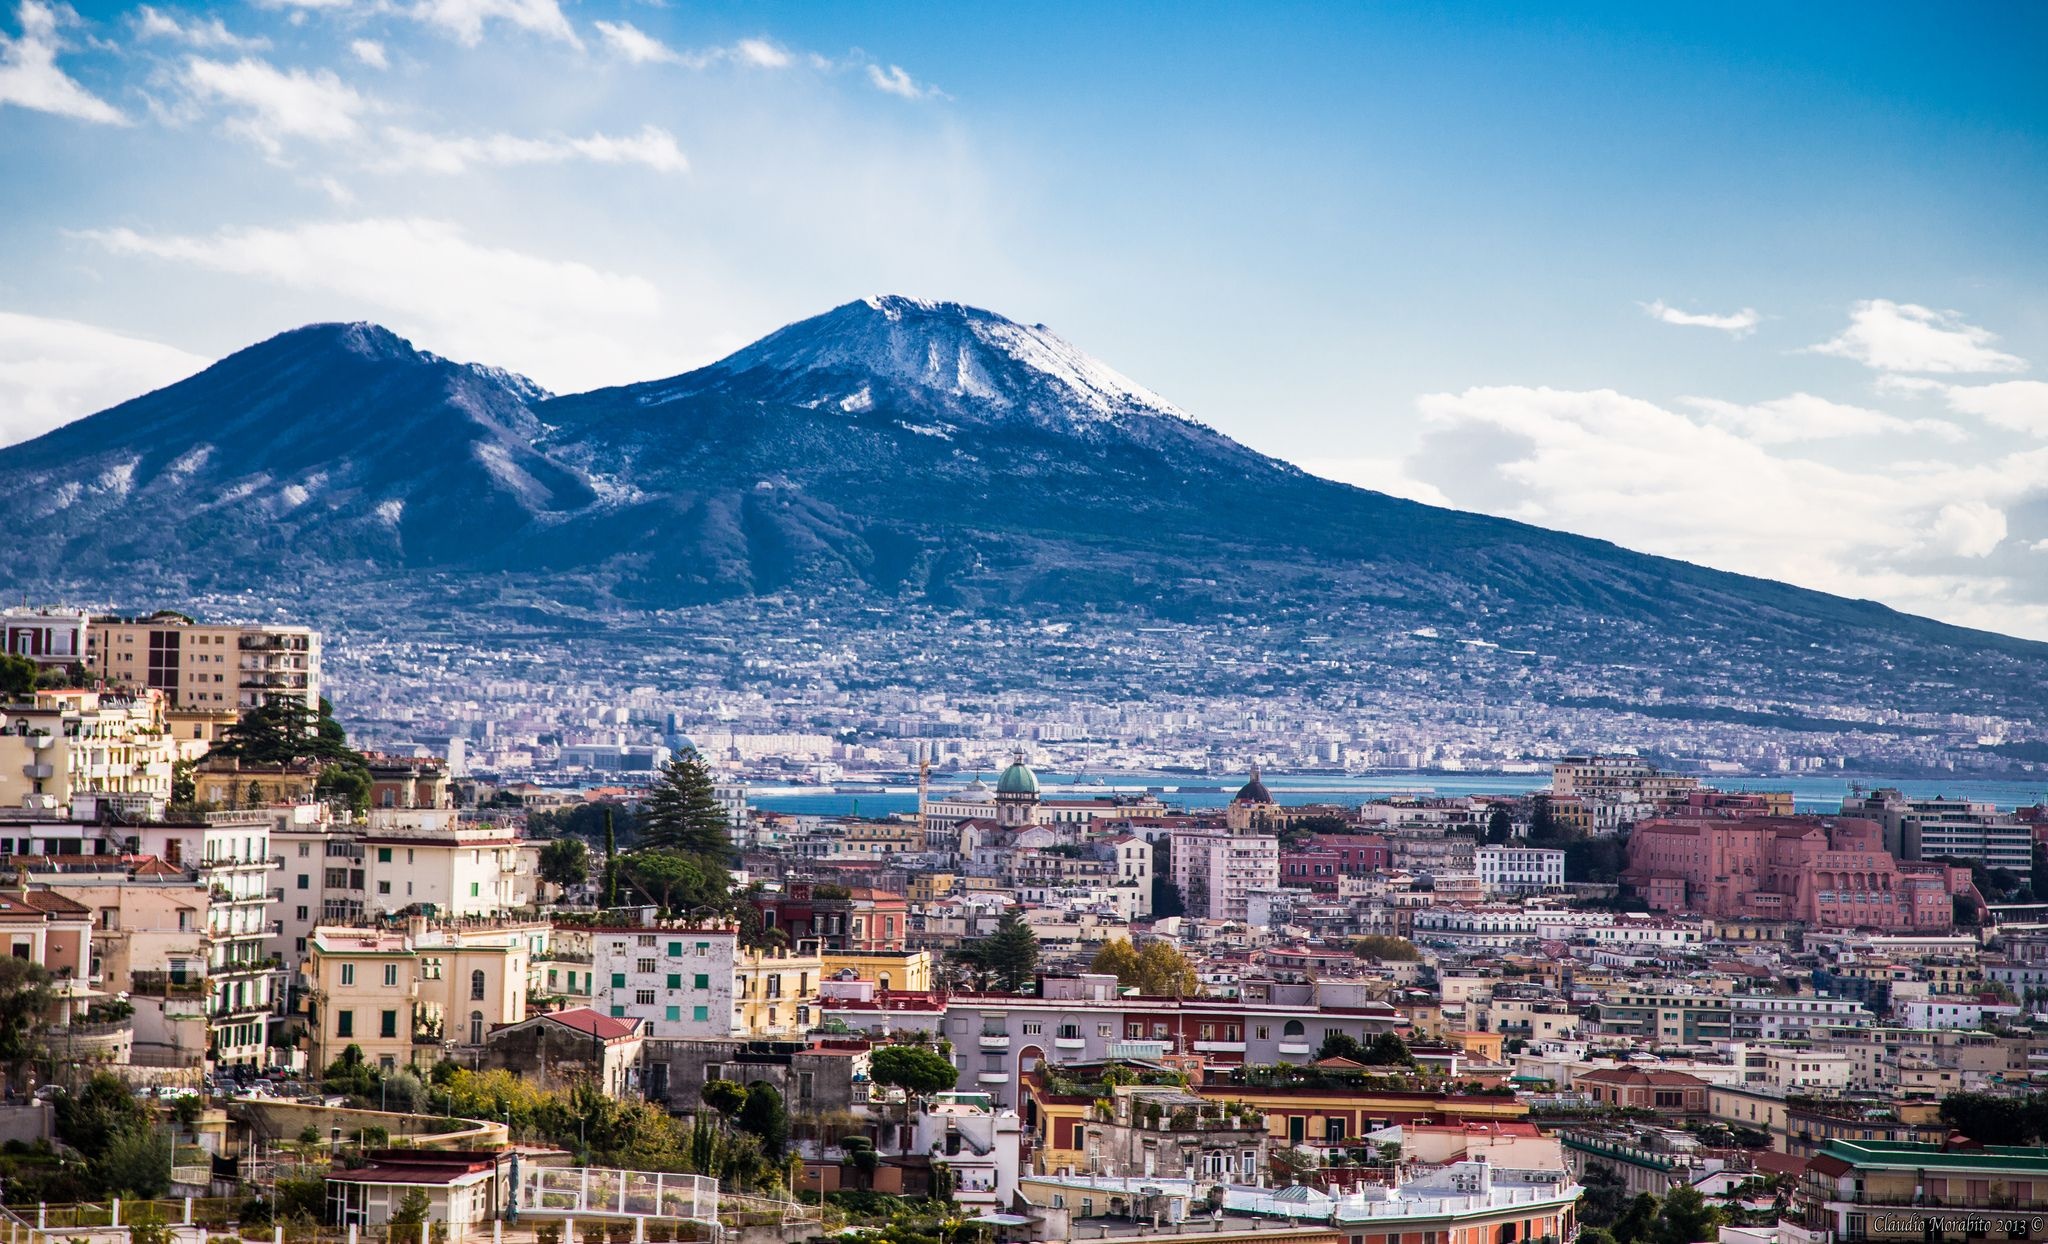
{"x":993,"y":1077}
{"x":1070,"y":1044}
{"x":39,"y":771}
{"x":1296,"y":1047}
{"x":1219,"y":1047}
{"x":995,"y":1041}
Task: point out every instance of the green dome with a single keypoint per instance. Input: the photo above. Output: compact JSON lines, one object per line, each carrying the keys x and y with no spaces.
{"x":1018,"y":779}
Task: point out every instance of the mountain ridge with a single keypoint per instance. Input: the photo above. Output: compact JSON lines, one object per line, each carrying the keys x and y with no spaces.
{"x":892,"y":448}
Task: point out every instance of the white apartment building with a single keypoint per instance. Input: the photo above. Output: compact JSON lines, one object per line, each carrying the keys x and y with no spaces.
{"x":427,"y":857}
{"x":1807,"y":1070}
{"x":1769,"y":1017}
{"x":46,"y":636}
{"x":1217,"y":871}
{"x":1952,"y":1013}
{"x":1941,"y":828}
{"x":1519,"y":870}
{"x":685,"y":981}
{"x":76,"y":752}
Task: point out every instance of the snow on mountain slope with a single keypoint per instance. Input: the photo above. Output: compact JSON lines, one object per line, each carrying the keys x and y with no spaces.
{"x":939,"y":354}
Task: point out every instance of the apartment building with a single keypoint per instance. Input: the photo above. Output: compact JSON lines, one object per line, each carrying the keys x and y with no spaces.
{"x":696,"y":980}
{"x":1947,"y":829}
{"x":429,"y":858}
{"x":1856,"y":1190}
{"x":1667,"y":1018}
{"x":412,"y":996}
{"x":1519,"y":870}
{"x":49,"y":637}
{"x":1773,"y":1017}
{"x":77,"y":753}
{"x":1216,"y":871}
{"x":207,"y":665}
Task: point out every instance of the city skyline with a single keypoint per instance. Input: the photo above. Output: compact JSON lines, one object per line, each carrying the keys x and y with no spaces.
{"x":1770,"y":283}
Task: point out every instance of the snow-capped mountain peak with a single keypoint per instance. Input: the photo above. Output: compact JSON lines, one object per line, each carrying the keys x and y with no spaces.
{"x":964,"y":359}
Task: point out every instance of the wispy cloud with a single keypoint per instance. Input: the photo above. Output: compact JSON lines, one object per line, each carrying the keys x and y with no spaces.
{"x":2017,"y":405}
{"x":54,"y":370}
{"x":29,"y":76}
{"x":411,"y":150}
{"x":369,"y":52}
{"x":466,"y":19}
{"x":1905,"y":337}
{"x":630,"y":43}
{"x":155,"y":23}
{"x":1804,"y":417}
{"x":567,"y":322}
{"x":895,"y":81}
{"x":271,"y":105}
{"x":1738,"y":324}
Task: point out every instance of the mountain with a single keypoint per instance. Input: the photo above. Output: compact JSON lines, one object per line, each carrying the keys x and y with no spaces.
{"x":889,"y":450}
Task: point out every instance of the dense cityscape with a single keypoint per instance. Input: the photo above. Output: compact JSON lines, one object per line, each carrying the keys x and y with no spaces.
{"x":322,"y":933}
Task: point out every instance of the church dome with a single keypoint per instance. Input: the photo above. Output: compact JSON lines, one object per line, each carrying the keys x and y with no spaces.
{"x":977,"y":791}
{"x":1018,"y":779}
{"x":1254,"y":791}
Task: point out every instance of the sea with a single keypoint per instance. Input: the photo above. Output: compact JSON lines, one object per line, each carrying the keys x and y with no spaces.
{"x":1810,"y":793}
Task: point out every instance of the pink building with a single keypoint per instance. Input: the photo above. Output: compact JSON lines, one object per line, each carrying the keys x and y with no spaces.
{"x":1826,"y":871}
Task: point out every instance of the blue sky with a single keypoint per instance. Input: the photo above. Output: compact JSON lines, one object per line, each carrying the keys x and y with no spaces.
{"x":1758,"y":286}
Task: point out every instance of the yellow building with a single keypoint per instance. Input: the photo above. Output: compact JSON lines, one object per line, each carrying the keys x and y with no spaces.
{"x":908,"y":971}
{"x":883,"y":838}
{"x":774,"y":993}
{"x":931,"y":887}
{"x":410,"y":997}
{"x":207,"y":665}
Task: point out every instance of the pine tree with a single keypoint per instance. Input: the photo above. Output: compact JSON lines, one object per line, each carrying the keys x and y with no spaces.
{"x":683,"y":813}
{"x":611,"y":861}
{"x":1011,"y":952}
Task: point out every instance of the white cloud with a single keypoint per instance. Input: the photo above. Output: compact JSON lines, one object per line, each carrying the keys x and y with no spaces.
{"x":465,"y":19}
{"x":761,"y":54}
{"x":636,"y":45}
{"x":2020,"y":405}
{"x":1901,"y":336}
{"x":369,"y":52}
{"x":1387,"y":475}
{"x":405,"y":149}
{"x":567,"y":324}
{"x":154,"y":23}
{"x":1804,"y":417}
{"x":274,"y":105}
{"x":1739,"y":324}
{"x":29,"y":76}
{"x":896,"y":82}
{"x":1922,"y":536}
{"x":53,"y":371}
{"x":632,"y":44}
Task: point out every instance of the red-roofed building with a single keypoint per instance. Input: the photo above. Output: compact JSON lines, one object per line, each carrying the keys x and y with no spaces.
{"x":573,"y":1044}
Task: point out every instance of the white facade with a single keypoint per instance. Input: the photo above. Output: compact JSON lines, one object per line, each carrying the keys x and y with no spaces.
{"x":1217,"y":872}
{"x":425,"y":856}
{"x":1947,"y":1013}
{"x":678,"y":981}
{"x":1519,"y":870}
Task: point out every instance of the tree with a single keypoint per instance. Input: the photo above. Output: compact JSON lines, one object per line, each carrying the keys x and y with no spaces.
{"x":1386,"y":949}
{"x":136,"y":1163}
{"x":677,"y":881}
{"x":683,"y":813}
{"x":611,"y":861}
{"x":1685,"y":1217}
{"x":25,"y":997}
{"x":284,"y":730}
{"x":1997,"y":1119}
{"x":1387,"y":1050}
{"x":412,"y":1212}
{"x":764,"y":1118}
{"x":912,"y":1068}
{"x":1117,"y":958}
{"x":1011,"y":952}
{"x":350,"y":1075}
{"x":91,"y":1118}
{"x":17,"y":676}
{"x":184,"y":788}
{"x":344,"y":783}
{"x":1499,"y":828}
{"x":1164,"y":972}
{"x":1637,"y":1220}
{"x":724,"y":1096}
{"x":1341,"y":1045}
{"x":565,"y":862}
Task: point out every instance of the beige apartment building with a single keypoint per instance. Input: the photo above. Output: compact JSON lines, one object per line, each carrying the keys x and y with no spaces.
{"x":77,"y":752}
{"x":414,"y":996}
{"x":202,"y":665}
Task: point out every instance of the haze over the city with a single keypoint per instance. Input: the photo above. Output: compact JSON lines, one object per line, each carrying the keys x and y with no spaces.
{"x":1759,"y":289}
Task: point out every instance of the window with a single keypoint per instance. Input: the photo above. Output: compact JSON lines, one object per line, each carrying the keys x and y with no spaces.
{"x":701,"y":980}
{"x":643,"y":965}
{"x":712,"y":1071}
{"x":476,"y":985}
{"x":383,"y":887}
{"x":675,"y":980}
{"x":391,"y":974}
{"x":643,"y":997}
{"x":476,"y":1026}
{"x":305,"y":882}
{"x":675,"y":950}
{"x":618,"y":980}
{"x":344,"y":1023}
{"x":302,"y":916}
{"x":383,"y":855}
{"x":1033,"y":1029}
{"x":348,"y":973}
{"x":473,"y":891}
{"x":387,"y":1024}
{"x":673,"y":1013}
